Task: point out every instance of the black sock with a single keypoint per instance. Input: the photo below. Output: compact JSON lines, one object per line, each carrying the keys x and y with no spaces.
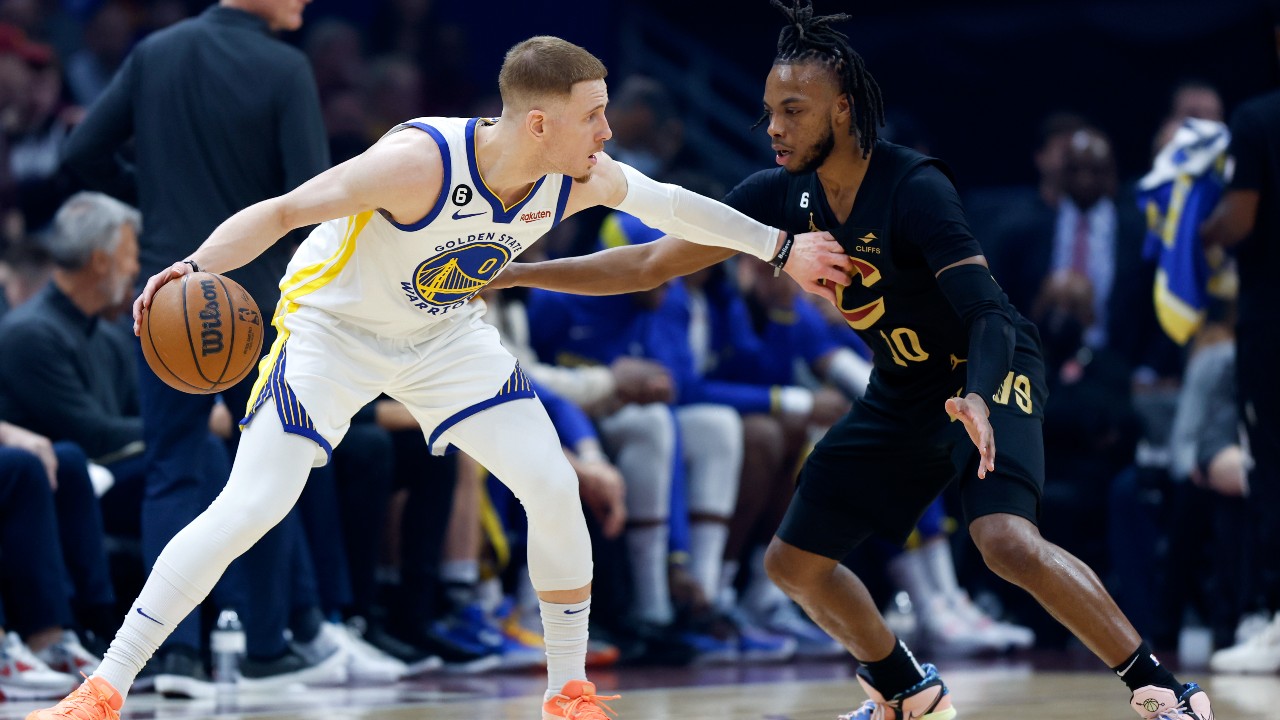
{"x":893,"y":675}
{"x":1142,"y":669}
{"x":305,"y":622}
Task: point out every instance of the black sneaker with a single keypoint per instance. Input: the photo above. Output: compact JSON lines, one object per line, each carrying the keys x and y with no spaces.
{"x":928,"y":699}
{"x":418,"y":660}
{"x":179,"y":673}
{"x":457,"y":656}
{"x":658,"y":645}
{"x":292,"y":669}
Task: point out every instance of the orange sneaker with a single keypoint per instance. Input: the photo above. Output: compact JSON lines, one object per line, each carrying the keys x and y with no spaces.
{"x":577,"y":701}
{"x":95,"y":699}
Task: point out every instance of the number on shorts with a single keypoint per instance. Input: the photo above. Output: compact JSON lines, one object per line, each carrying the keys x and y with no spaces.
{"x":1019,"y":387}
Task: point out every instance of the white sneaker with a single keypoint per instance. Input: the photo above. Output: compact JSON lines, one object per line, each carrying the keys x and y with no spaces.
{"x":1258,"y":654}
{"x":1252,"y":625}
{"x":23,"y":676}
{"x":364,"y":661}
{"x":69,"y":656}
{"x":948,"y":632}
{"x":1006,"y":634}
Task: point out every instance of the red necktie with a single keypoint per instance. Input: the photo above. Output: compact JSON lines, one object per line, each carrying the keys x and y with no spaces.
{"x":1080,"y":251}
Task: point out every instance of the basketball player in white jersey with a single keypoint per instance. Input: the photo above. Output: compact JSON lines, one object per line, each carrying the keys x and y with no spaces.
{"x":376,"y":301}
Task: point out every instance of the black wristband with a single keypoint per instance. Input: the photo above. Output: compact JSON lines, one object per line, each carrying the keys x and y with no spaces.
{"x":192,"y":263}
{"x":781,"y":259}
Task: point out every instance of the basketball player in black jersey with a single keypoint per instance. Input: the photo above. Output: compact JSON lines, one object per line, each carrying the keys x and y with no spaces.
{"x":952,"y":358}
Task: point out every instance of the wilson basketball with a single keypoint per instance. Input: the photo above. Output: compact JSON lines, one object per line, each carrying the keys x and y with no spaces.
{"x":202,"y":333}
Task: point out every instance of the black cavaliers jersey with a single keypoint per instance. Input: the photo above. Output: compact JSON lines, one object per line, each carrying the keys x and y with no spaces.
{"x":906,"y":224}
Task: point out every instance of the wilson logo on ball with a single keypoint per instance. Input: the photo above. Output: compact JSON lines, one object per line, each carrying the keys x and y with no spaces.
{"x":201,"y":333}
{"x":211,"y":320}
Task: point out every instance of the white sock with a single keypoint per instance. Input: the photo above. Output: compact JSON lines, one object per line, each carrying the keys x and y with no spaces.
{"x":910,"y":570}
{"x":460,"y":571}
{"x":160,"y":606}
{"x":762,"y":595}
{"x":706,"y":553}
{"x":564,"y":630}
{"x":647,"y":547}
{"x":942,"y":567}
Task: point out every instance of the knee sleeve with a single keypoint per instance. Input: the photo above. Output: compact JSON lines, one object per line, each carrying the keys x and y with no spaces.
{"x":517,"y":443}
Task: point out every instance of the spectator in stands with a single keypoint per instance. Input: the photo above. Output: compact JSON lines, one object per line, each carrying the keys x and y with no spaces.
{"x":37,"y":123}
{"x":50,"y":532}
{"x":107,"y":39}
{"x":67,"y":370}
{"x":1097,"y":232}
{"x":1001,"y":216}
{"x":1190,"y":99}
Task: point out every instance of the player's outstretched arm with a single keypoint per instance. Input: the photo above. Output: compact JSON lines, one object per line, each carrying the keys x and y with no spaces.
{"x":626,"y":269}
{"x":815,"y":260}
{"x":401,"y":174}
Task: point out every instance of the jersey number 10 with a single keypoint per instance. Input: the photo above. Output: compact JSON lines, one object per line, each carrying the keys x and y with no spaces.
{"x":904,"y":345}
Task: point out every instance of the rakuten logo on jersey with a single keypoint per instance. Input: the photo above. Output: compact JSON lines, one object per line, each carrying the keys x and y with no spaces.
{"x":535,"y":216}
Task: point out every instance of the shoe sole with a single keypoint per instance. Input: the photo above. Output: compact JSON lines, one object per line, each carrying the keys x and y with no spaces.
{"x":426,"y":665}
{"x":766,"y":656}
{"x":330,"y":671}
{"x":22,"y":692}
{"x":472,"y":667}
{"x":184,"y":687}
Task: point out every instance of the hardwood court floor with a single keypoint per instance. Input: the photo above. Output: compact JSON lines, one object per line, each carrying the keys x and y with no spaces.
{"x":1003,"y":691}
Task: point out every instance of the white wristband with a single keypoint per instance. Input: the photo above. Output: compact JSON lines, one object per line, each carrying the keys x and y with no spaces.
{"x":849,"y":372}
{"x":795,"y":401}
{"x":693,"y":217}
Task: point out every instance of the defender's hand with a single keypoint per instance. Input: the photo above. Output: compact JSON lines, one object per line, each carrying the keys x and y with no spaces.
{"x":972,"y":411}
{"x":817,"y":263}
{"x":508,"y":278}
{"x":143,"y":302}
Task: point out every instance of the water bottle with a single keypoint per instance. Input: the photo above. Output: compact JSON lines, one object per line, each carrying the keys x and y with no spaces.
{"x":228,"y":646}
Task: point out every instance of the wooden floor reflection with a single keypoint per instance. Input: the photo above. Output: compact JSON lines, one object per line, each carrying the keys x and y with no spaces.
{"x":1004,"y":691}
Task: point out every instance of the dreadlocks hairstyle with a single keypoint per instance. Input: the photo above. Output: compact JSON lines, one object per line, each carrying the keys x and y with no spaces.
{"x":807,"y":37}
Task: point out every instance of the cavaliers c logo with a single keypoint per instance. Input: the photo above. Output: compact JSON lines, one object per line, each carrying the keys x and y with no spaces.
{"x":456,"y":276}
{"x":863,"y":316}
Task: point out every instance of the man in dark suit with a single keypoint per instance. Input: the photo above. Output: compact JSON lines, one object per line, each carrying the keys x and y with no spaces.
{"x":1095,"y":230}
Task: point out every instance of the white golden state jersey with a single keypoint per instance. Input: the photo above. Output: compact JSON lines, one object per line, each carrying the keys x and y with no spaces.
{"x":394,"y":280}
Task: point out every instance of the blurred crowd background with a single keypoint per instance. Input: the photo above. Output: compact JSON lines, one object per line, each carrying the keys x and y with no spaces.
{"x":1044,"y":111}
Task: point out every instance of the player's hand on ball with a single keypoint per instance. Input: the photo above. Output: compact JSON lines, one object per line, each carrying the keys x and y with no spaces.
{"x":156,"y":281}
{"x":818,"y":263}
{"x":972,"y":411}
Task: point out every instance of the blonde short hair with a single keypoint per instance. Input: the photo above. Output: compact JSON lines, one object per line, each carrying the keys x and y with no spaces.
{"x":545,"y":66}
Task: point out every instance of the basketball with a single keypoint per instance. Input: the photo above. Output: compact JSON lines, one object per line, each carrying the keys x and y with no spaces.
{"x":202,"y":333}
